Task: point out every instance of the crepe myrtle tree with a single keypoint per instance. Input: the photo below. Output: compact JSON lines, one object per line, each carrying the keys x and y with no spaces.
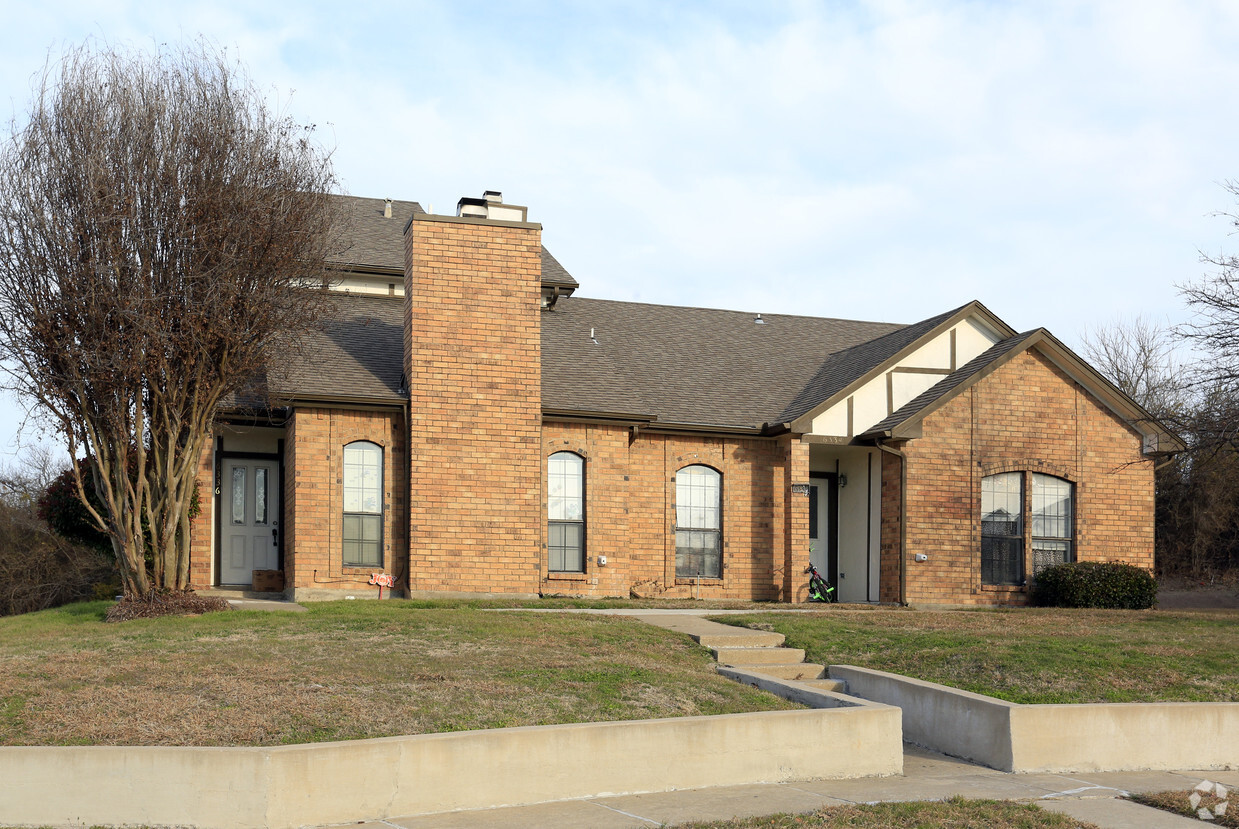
{"x":159,"y":227}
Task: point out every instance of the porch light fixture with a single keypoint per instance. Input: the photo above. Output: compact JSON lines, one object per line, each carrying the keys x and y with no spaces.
{"x":843,"y":480}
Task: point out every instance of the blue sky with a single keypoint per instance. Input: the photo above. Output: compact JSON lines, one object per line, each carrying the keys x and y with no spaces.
{"x":1059,"y":162}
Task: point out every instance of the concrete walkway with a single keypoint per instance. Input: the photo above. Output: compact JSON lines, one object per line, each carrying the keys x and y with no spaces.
{"x":927,"y":776}
{"x":254,"y":600}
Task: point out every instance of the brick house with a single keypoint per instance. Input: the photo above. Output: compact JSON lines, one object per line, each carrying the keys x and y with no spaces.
{"x":467,"y":424}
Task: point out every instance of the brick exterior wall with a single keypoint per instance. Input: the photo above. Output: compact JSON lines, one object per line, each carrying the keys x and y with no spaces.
{"x":201,"y":551}
{"x":630,"y":513}
{"x":1026,"y":416}
{"x":473,"y":363}
{"x":314,"y":498}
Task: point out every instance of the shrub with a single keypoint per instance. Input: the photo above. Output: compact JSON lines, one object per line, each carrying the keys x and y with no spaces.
{"x":1095,"y":584}
{"x":66,"y":515}
{"x":39,"y":570}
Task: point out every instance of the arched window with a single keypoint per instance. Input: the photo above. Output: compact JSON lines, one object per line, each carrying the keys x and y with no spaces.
{"x":1002,"y":528}
{"x":698,"y":525}
{"x":363,"y":505}
{"x":1046,"y":526}
{"x":1052,"y":521}
{"x":565,"y":531}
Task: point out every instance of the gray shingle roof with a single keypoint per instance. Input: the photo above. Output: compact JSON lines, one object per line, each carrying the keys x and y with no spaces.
{"x":357,"y":352}
{"x":687,"y":365}
{"x":961,"y":376}
{"x":554,"y":273}
{"x":675,"y":365}
{"x":374,"y":241}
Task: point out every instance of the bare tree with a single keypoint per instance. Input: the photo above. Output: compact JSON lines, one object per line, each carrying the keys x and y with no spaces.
{"x":1138,"y":356}
{"x":158,"y":224}
{"x":1215,"y":329}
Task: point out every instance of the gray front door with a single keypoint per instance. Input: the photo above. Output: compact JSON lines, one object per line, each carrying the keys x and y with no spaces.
{"x":250,"y":523}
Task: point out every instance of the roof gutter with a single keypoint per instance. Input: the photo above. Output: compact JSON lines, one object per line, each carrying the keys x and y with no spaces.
{"x":599,"y":416}
{"x":651,"y":423}
{"x":903,"y":517}
{"x":706,"y":427}
{"x":344,"y":400}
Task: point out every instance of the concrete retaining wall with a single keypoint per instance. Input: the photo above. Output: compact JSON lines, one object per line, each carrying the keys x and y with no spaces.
{"x":1026,"y":738}
{"x":290,"y":786}
{"x":1122,"y":736}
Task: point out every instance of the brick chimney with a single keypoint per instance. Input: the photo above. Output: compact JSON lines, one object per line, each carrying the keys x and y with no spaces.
{"x":472,"y":357}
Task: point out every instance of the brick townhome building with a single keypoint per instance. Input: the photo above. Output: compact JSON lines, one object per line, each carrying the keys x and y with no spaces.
{"x":467,"y":424}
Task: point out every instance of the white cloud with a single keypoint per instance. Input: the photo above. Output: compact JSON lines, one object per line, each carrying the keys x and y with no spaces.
{"x":879,"y":160}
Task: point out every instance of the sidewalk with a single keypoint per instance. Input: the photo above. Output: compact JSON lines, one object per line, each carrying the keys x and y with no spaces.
{"x":927,"y":776}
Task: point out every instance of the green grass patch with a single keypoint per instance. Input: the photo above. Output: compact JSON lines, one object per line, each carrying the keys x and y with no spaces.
{"x":1050,"y":655}
{"x":341,"y":670}
{"x":956,"y":813}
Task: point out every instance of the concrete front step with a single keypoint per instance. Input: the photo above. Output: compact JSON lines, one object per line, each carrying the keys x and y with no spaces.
{"x":241,"y":593}
{"x":800,"y":670}
{"x":742,"y":638}
{"x":839,"y":686}
{"x":740,"y":657}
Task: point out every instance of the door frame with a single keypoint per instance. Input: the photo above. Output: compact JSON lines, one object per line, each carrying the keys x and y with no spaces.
{"x":220,"y":456}
{"x":832,"y":523}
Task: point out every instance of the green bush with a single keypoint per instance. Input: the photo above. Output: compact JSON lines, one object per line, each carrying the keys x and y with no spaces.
{"x":1095,"y":584}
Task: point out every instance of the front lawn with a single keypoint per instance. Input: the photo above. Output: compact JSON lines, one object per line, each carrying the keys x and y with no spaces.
{"x":956,"y":813}
{"x":1031,"y":655}
{"x":341,"y":671}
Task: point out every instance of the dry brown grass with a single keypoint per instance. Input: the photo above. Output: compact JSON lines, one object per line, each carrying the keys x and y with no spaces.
{"x":1049,"y":655}
{"x":956,"y":813}
{"x":165,"y":603}
{"x":343,"y":670}
{"x":1180,"y":803}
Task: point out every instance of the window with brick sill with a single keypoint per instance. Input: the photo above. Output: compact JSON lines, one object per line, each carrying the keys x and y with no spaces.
{"x":565,"y":529}
{"x":1016,"y":516}
{"x":363,"y":505}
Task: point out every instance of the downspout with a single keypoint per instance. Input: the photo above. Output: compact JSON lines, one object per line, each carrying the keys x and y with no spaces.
{"x":1173,"y":457}
{"x":408,"y":498}
{"x":903,"y":518}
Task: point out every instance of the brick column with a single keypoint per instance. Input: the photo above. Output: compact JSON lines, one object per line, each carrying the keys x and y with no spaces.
{"x":796,"y":522}
{"x":201,"y":548}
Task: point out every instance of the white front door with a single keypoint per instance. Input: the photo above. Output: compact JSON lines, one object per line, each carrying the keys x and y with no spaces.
{"x":250,"y":523}
{"x":823,"y":531}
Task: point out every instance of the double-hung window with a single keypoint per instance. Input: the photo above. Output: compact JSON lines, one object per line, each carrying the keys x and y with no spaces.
{"x":565,"y":508}
{"x":698,"y":527}
{"x":363,"y":505}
